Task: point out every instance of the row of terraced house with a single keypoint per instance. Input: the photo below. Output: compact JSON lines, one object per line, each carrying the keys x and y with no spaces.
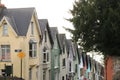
{"x":46,"y":54}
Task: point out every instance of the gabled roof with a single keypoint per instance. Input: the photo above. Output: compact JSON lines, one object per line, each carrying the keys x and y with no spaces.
{"x":19,"y":18}
{"x":69,"y":47}
{"x":54,"y":32}
{"x":72,"y":46}
{"x":62,"y":40}
{"x":45,"y":25}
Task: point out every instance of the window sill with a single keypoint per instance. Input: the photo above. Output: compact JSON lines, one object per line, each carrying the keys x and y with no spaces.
{"x":56,"y":67}
{"x":32,"y":57}
{"x":63,"y":67}
{"x":5,"y":35}
{"x":5,"y":60}
{"x":31,"y":35}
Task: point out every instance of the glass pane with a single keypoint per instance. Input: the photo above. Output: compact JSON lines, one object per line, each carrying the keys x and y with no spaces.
{"x":30,"y":46}
{"x":35,"y":54}
{"x":30,"y":53}
{"x":3,"y":53}
{"x":47,"y":56}
{"x":5,"y":29}
{"x":32,"y":28}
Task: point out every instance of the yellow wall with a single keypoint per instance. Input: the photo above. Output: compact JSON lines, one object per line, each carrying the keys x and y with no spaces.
{"x":21,"y":42}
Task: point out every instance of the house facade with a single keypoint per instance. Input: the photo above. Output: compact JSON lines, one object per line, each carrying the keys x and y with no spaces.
{"x":63,"y":57}
{"x":72,"y":61}
{"x":89,"y":69}
{"x":46,"y":50}
{"x":19,"y":32}
{"x":55,"y":56}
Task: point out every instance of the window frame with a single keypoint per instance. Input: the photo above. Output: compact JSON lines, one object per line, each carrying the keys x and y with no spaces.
{"x":33,"y":50}
{"x":45,"y":35}
{"x":56,"y":61}
{"x":63,"y":62}
{"x":45,"y":55}
{"x":6,"y":56}
{"x":30,"y":73}
{"x":32,"y":28}
{"x":5,"y":29}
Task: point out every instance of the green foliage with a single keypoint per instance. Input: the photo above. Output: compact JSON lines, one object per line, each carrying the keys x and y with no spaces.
{"x":97,"y":25}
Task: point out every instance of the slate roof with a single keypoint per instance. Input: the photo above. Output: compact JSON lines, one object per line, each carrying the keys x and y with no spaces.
{"x":69,"y":45}
{"x":19,"y":18}
{"x":62,"y":39}
{"x":72,"y":45}
{"x":54,"y":32}
{"x":45,"y":25}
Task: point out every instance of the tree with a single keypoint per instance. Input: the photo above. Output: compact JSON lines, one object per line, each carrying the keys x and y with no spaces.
{"x":97,"y":25}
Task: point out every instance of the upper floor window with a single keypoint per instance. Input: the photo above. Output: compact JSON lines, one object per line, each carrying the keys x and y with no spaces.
{"x":56,"y":61}
{"x":76,"y":67}
{"x":30,"y":73}
{"x":37,"y":73}
{"x":45,"y":55}
{"x":63,"y":48}
{"x":63,"y":62}
{"x":45,"y":36}
{"x":33,"y":49}
{"x":5,"y":53}
{"x":5,"y":29}
{"x":32,"y":28}
{"x":70,"y":67}
{"x":62,"y":77}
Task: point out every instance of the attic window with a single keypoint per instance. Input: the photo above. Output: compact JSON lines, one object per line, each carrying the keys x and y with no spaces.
{"x":32,"y":29}
{"x":45,"y":36}
{"x":5,"y":29}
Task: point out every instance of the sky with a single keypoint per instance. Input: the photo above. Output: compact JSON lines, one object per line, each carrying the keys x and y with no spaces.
{"x":56,"y":11}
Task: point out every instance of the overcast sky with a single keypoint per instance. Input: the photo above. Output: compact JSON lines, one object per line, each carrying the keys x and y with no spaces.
{"x":54,"y":10}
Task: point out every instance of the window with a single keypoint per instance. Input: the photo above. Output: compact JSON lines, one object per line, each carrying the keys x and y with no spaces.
{"x":70,"y":67}
{"x":37,"y":72}
{"x":56,"y":61}
{"x":5,"y":29}
{"x":30,"y":74}
{"x":63,"y":78}
{"x":44,"y":75}
{"x":32,"y":29}
{"x":5,"y":52}
{"x":56,"y":75}
{"x":63,"y":62}
{"x":45,"y":36}
{"x":63,"y":48}
{"x":32,"y":49}
{"x":76,"y":68}
{"x":45,"y":55}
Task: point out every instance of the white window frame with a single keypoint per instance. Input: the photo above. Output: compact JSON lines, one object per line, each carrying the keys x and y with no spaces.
{"x":30,"y":73}
{"x":56,"y":61}
{"x":5,"y":29}
{"x":5,"y":53}
{"x":32,"y":50}
{"x":32,"y":28}
{"x":64,"y":62}
{"x":45,"y":56}
{"x":37,"y":72}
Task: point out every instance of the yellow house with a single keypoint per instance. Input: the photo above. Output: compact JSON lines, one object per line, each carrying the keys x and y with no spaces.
{"x":20,"y":32}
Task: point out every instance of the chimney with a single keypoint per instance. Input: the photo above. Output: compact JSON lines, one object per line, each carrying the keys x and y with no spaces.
{"x":2,"y":6}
